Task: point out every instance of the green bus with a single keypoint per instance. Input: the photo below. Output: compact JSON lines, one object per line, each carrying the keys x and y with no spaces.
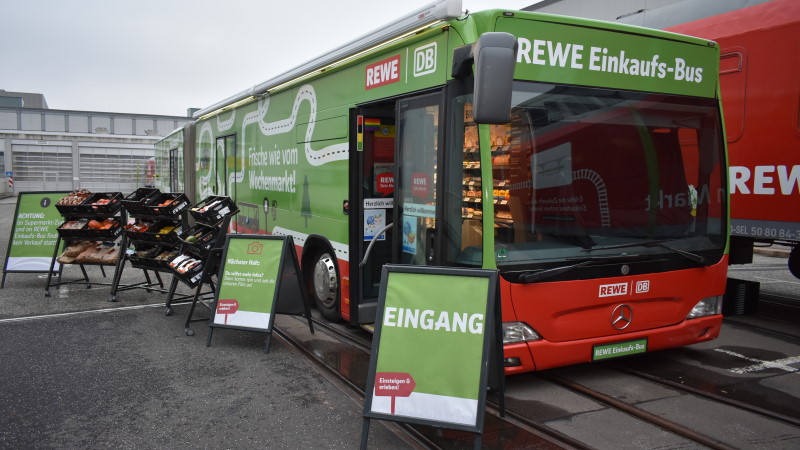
{"x":583,"y":160}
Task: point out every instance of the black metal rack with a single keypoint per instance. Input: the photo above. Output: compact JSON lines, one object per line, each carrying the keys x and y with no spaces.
{"x":158,"y":220}
{"x":202,"y":242}
{"x":76,"y":227}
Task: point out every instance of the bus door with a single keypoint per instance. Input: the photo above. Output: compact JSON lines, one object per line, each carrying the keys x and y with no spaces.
{"x":396,"y":175}
{"x":231,"y":166}
{"x":371,"y":207}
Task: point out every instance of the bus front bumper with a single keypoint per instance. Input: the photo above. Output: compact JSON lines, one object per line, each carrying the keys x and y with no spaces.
{"x":542,"y":354}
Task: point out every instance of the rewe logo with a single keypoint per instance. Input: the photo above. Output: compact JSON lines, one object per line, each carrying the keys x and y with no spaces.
{"x":425,"y":60}
{"x":383,"y":72}
{"x":610,"y":290}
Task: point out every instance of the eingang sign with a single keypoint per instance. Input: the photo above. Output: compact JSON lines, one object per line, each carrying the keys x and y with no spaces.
{"x":434,"y":331}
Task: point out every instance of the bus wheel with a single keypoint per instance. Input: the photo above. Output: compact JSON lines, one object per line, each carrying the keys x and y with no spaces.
{"x":325,"y":288}
{"x":794,"y":261}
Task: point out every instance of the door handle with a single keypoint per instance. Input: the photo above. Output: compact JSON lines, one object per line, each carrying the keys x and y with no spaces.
{"x":371,"y":242}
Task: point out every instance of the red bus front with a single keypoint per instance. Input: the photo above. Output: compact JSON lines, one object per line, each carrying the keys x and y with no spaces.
{"x":609,"y":222}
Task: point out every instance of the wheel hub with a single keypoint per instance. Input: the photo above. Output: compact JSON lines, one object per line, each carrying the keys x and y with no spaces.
{"x":325,"y":281}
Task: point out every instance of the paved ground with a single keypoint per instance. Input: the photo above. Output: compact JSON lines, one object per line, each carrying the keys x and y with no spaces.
{"x":128,"y":377}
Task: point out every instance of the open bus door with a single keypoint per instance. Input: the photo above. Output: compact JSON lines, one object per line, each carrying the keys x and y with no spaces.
{"x":393,"y":194}
{"x":371,"y":207}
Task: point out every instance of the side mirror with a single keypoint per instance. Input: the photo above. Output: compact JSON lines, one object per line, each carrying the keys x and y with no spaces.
{"x":495,"y":57}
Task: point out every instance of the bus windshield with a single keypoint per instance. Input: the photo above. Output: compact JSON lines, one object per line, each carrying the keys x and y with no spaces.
{"x":585,"y":174}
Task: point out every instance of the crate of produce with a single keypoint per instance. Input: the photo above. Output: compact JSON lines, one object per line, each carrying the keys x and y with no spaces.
{"x":188,"y":268}
{"x":73,"y":228}
{"x":102,"y":203}
{"x":135,"y":202}
{"x":72,"y":202}
{"x":162,"y":231}
{"x":136,"y":230}
{"x":199,"y":239}
{"x":167,"y":204}
{"x":163,"y":258}
{"x":106,"y":229}
{"x":142,"y":257}
{"x":213,"y":209}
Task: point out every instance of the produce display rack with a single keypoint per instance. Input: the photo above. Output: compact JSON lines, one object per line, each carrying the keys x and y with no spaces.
{"x":76,"y":227}
{"x":203,"y":243}
{"x":158,"y":218}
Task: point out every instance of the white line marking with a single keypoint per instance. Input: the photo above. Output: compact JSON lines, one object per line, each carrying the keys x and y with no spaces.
{"x":783,"y":364}
{"x":78,"y":313}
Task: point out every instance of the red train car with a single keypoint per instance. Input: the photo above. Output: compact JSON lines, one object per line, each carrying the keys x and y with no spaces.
{"x":760,"y":82}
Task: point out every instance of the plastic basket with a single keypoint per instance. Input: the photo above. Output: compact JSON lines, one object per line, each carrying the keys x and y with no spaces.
{"x":204,"y":239}
{"x":188,"y":268}
{"x":65,"y":230}
{"x":73,"y":196}
{"x":135,"y":202}
{"x":167,"y":204}
{"x":102,"y":203}
{"x":213,"y":209}
{"x":153,"y":233}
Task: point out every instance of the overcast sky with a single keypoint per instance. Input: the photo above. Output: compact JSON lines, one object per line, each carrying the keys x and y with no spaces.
{"x":165,"y":56}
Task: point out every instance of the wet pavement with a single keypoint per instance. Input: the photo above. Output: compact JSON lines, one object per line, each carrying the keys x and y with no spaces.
{"x":128,"y":376}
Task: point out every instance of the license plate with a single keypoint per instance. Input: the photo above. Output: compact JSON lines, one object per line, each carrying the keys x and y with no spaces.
{"x":618,"y":349}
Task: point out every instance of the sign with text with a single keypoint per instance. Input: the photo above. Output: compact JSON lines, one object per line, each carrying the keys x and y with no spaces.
{"x":33,"y":232}
{"x":434,"y":332}
{"x":259,"y":277}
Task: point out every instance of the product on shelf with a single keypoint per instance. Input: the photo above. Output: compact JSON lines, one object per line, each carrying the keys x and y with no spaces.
{"x":102,"y":252}
{"x":75,"y":197}
{"x":138,"y":226}
{"x":76,"y":224}
{"x":185,"y":263}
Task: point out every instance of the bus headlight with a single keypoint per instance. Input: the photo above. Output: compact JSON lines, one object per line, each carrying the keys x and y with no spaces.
{"x":514,"y":332}
{"x":706,"y":307}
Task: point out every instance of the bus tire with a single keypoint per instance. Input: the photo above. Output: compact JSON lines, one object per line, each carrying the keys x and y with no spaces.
{"x":325,"y":285}
{"x":794,"y":261}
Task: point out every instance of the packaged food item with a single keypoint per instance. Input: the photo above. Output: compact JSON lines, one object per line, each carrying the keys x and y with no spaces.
{"x":75,"y":197}
{"x":77,"y":224}
{"x":138,"y":227}
{"x":76,"y":248}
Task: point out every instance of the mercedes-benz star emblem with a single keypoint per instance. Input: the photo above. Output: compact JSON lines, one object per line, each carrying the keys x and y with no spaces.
{"x":621,"y":317}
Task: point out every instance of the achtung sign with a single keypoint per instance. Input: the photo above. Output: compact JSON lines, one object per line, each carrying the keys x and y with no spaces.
{"x":434,"y":329}
{"x":33,"y":233}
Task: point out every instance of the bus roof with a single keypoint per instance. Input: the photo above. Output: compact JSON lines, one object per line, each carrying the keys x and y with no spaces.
{"x":424,"y":18}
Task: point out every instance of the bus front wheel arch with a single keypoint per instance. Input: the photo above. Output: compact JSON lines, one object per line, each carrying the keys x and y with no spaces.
{"x":322,"y":278}
{"x":794,"y":261}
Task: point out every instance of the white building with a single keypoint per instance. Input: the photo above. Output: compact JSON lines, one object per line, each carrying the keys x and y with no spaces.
{"x":62,"y":150}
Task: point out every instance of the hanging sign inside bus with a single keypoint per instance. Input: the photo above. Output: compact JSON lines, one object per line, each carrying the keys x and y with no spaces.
{"x":259,"y":277}
{"x":435,"y":332}
{"x":578,"y":55}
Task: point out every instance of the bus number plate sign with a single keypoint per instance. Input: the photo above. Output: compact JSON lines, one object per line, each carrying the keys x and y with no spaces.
{"x":618,"y":349}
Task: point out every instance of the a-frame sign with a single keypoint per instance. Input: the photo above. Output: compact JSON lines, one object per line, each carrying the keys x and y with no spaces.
{"x":259,"y":277}
{"x":435,"y":343}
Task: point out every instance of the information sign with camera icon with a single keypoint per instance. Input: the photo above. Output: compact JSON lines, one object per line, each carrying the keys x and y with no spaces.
{"x":261,"y":277}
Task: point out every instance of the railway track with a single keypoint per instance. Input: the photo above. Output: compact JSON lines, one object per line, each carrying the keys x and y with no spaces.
{"x":518,"y":429}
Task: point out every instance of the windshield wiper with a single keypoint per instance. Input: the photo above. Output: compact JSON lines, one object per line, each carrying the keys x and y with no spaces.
{"x":694,"y":257}
{"x":539,"y":275}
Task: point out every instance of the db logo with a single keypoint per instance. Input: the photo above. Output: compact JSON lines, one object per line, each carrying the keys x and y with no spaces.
{"x":425,"y":60}
{"x":642,"y":286}
{"x":255,"y":248}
